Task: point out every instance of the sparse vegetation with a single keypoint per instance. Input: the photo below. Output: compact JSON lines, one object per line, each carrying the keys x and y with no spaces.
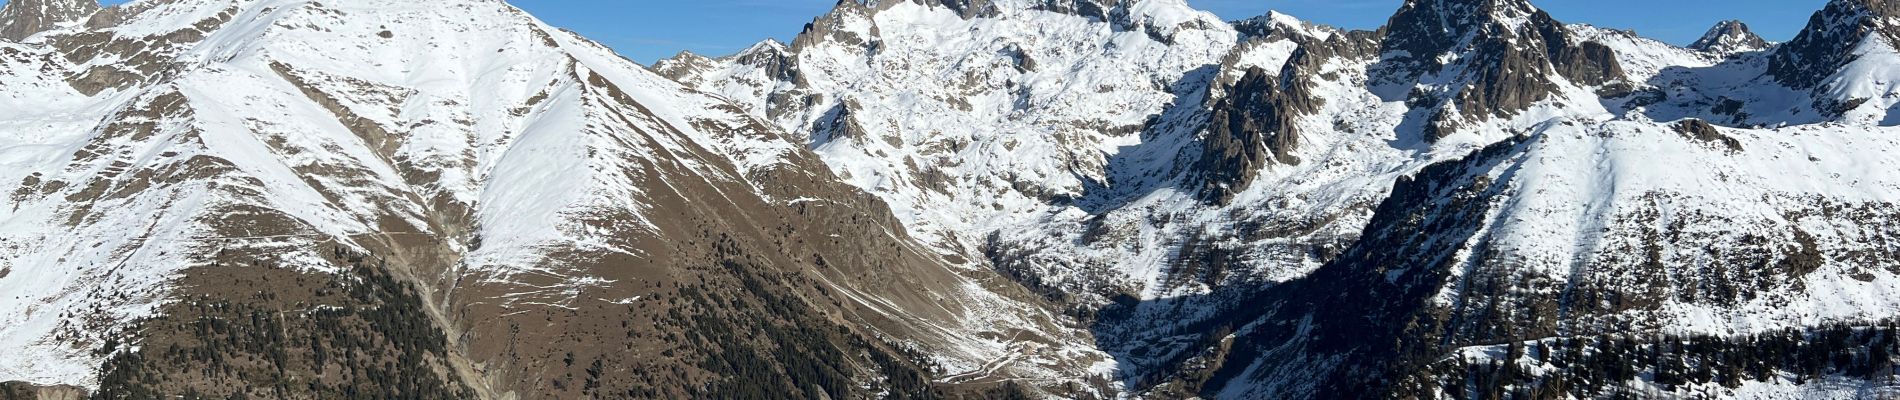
{"x":360,"y":334}
{"x":1607,"y":366}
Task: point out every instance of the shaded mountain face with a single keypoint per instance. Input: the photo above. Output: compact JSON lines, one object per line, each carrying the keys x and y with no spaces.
{"x":19,"y":19}
{"x":1832,"y":39}
{"x":1729,"y":37}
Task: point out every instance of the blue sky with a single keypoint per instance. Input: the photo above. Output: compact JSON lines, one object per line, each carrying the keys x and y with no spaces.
{"x":648,"y":30}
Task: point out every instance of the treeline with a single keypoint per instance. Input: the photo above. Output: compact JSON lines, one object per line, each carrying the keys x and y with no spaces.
{"x":360,"y":334}
{"x":1607,"y":366}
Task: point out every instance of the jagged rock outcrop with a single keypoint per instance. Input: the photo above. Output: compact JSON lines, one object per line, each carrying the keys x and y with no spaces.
{"x":1251,"y":128}
{"x":1830,"y":40}
{"x":23,"y":18}
{"x":1255,"y":112}
{"x":772,"y":57}
{"x":1278,"y":26}
{"x":684,"y":67}
{"x":1703,"y":131}
{"x":1508,"y":56}
{"x":750,"y":78}
{"x":1255,"y":122}
{"x":771,"y":60}
{"x":1730,"y":37}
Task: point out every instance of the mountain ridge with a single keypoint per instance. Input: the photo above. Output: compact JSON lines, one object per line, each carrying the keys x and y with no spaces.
{"x":525,"y":193}
{"x":1272,"y":162}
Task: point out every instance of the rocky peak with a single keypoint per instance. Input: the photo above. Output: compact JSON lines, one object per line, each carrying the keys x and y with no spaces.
{"x":770,"y":55}
{"x":682,"y":67}
{"x":22,"y":18}
{"x":1253,"y":121}
{"x":1830,"y":39}
{"x":1509,"y":52}
{"x":768,"y":51}
{"x":848,"y":23}
{"x":1427,"y":28}
{"x":1729,"y":37}
{"x":1277,"y":25}
{"x":1251,"y":128}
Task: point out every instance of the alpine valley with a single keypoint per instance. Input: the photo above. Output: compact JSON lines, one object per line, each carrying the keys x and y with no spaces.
{"x":921,"y":199}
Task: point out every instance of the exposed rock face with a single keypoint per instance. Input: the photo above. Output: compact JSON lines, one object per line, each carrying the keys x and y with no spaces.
{"x":770,"y":57}
{"x":1424,"y":29}
{"x":1830,"y":39}
{"x":1274,"y":26}
{"x":22,"y":18}
{"x":1702,"y":131}
{"x":683,"y":67}
{"x":1254,"y":124}
{"x":844,"y":24}
{"x":1730,"y":37}
{"x":1255,"y":111}
{"x":1510,"y":55}
{"x":1252,"y":127}
{"x":27,"y":391}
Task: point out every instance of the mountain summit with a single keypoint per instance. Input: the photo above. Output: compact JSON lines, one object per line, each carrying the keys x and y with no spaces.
{"x":1729,"y":37}
{"x":1487,"y":58}
{"x":1427,"y":28}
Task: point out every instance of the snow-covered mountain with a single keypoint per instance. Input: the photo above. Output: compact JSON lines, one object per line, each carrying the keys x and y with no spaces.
{"x":944,"y":198}
{"x":449,"y":198}
{"x":1730,"y":37}
{"x":1304,"y":211}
